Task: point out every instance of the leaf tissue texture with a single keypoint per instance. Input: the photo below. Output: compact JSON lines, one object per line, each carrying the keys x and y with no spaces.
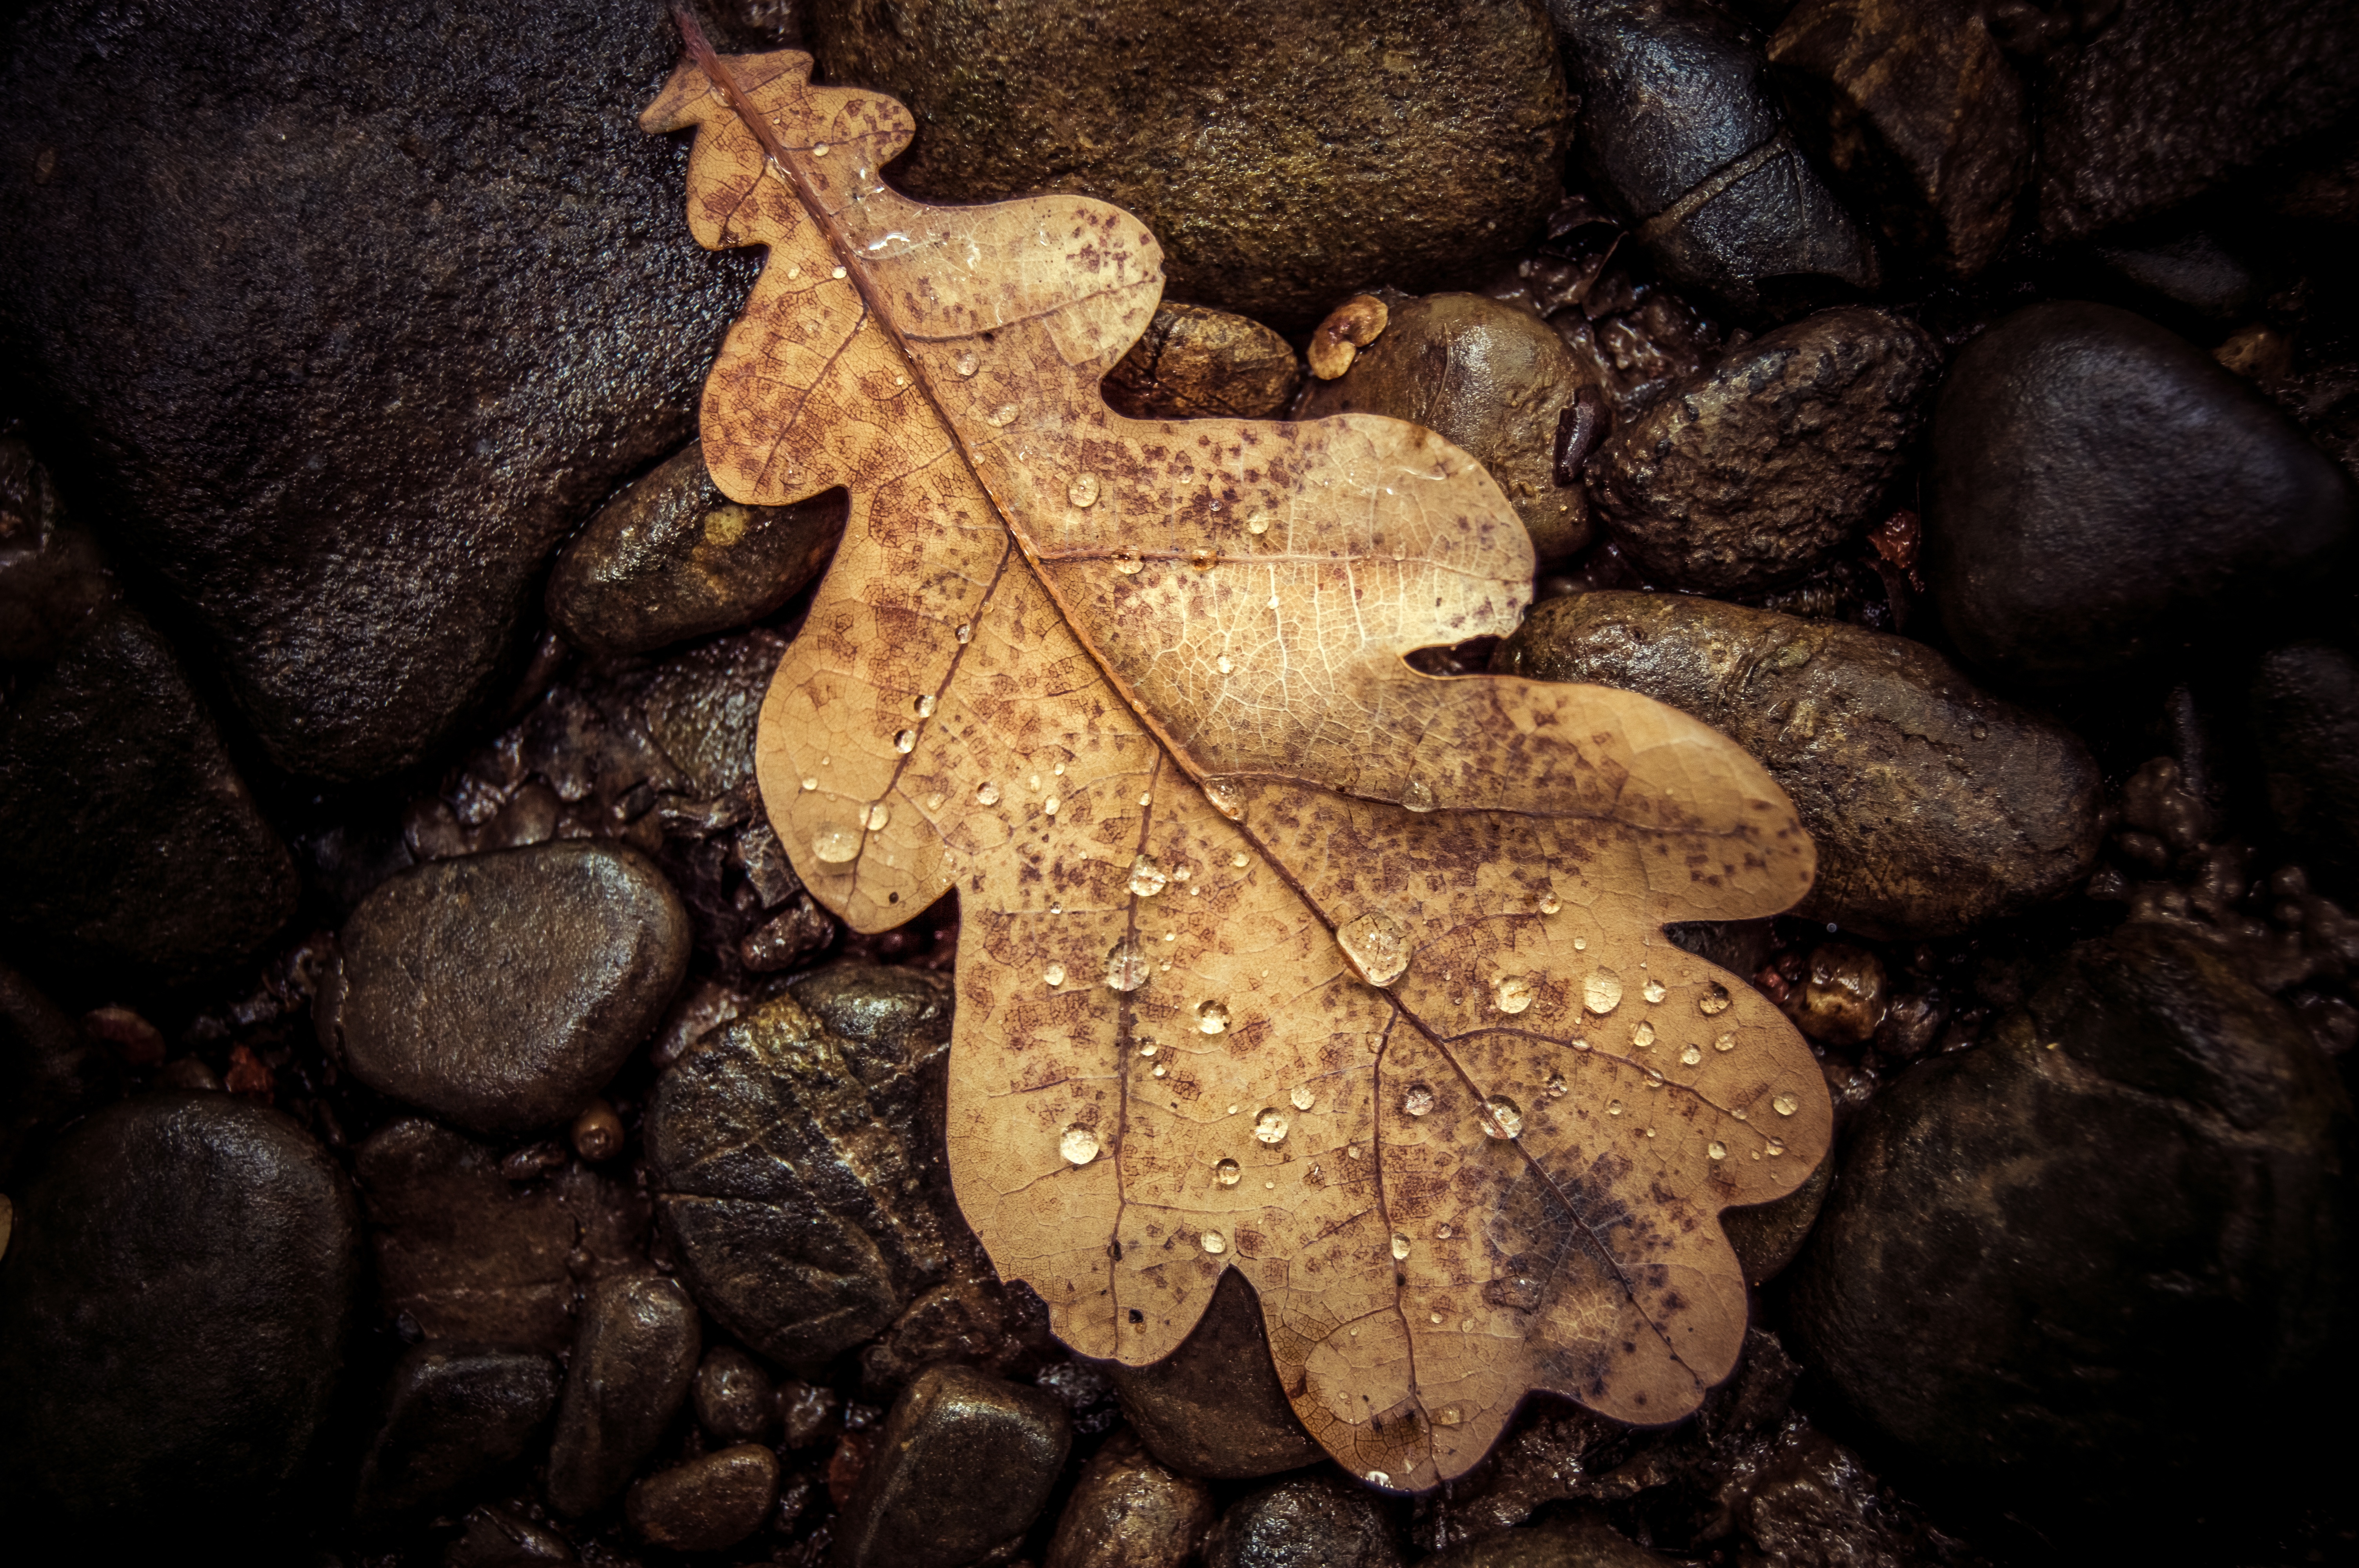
{"x":1276,"y":954}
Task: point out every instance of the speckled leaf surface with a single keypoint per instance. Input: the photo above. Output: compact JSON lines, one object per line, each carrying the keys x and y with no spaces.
{"x":1136,"y":691}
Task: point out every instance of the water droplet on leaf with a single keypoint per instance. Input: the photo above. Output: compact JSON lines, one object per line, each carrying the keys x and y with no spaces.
{"x":1654,"y":990}
{"x":1375,"y":946}
{"x":1211,"y":1017}
{"x":1418,"y":1100}
{"x":1270,"y":1125}
{"x":1400,"y":1246}
{"x":1215,"y":1242}
{"x":1602,"y":992}
{"x":1078,"y":1146}
{"x":1083,"y":491}
{"x":1785,"y":1105}
{"x":1054,"y":974}
{"x":1127,"y":967}
{"x":1302,"y":1098}
{"x":1417,"y":797}
{"x":1226,"y":1172}
{"x":1514,"y":994}
{"x":835,"y":844}
{"x":988,"y":795}
{"x":1502,"y":1118}
{"x":906,"y":742}
{"x":1717,"y":1149}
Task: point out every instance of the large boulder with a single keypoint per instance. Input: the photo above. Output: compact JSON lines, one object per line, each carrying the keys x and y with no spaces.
{"x":353,"y":313}
{"x":1285,"y":152}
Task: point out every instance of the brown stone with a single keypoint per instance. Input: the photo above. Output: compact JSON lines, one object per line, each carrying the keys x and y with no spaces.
{"x":1492,"y":378}
{"x":1913,"y":102}
{"x":963,"y":1465}
{"x":1934,"y":806}
{"x":632,"y":1362}
{"x":1128,"y":1511}
{"x":1198,"y":363}
{"x":714,"y":1500}
{"x":1582,"y":1540}
{"x":1214,"y":1407}
{"x":1747,"y":474}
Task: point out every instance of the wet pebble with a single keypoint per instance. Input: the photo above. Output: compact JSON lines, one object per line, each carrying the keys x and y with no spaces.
{"x":1214,"y":1406}
{"x":671,"y":558}
{"x":1933,"y":806}
{"x":1496,"y":382}
{"x":965,"y":1464}
{"x":503,"y":991}
{"x":712,"y":1502}
{"x":2305,"y":717}
{"x":735,"y":1400}
{"x":53,"y":577}
{"x":1128,"y":1511}
{"x":1747,"y":473}
{"x":1198,"y":363}
{"x":633,"y":1360}
{"x":2102,"y":493}
{"x":1313,"y":1522}
{"x":454,"y":1416}
{"x":51,"y":1071}
{"x":1579,"y":1541}
{"x":1840,"y":999}
{"x":173,"y":1314}
{"x":494,"y":1537}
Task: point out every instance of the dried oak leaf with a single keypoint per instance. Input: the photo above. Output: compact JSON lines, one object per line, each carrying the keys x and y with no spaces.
{"x":1135,"y":689}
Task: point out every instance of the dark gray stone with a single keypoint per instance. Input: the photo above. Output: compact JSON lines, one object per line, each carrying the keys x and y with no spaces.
{"x":1684,"y":135}
{"x":446,"y":298}
{"x":1285,"y":154}
{"x":1310,"y":1522}
{"x":631,"y":1363}
{"x":712,"y":1502}
{"x":2172,"y":97}
{"x":1934,"y":806}
{"x":455,"y":1415}
{"x":48,"y":1072}
{"x":503,"y":991}
{"x":735,"y":1400}
{"x":791,"y":1171}
{"x":2103,"y":493}
{"x":1214,"y":1407}
{"x":2031,"y":1243}
{"x":172,"y":1316}
{"x":671,"y":558}
{"x":1748,"y":473}
{"x":52,"y":575}
{"x":963,"y":1465}
{"x":2305,"y":718}
{"x":132,"y":835}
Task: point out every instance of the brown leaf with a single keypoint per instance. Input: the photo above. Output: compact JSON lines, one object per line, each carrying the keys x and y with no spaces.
{"x":1135,"y":689}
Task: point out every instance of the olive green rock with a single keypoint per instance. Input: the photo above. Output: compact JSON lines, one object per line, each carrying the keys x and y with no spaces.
{"x":1934,"y":806}
{"x":1285,"y":152}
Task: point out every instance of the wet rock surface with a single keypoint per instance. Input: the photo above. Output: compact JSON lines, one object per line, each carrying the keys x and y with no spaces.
{"x":633,"y":1358}
{"x":49,"y":1073}
{"x":1214,"y":1407}
{"x":454,"y":1416}
{"x":1745,"y":475}
{"x":1933,"y":804}
{"x":1196,"y":364}
{"x":502,"y":991}
{"x":964,"y":1465}
{"x":1707,"y":171}
{"x":1241,"y":134}
{"x":2102,"y":493}
{"x":173,"y":1313}
{"x":708,"y":1503}
{"x":1492,"y":379}
{"x":1299,"y":1523}
{"x":1128,"y":1511}
{"x":53,"y":576}
{"x":1918,"y":108}
{"x":2141,"y":1165}
{"x":672,"y":558}
{"x":2305,"y":717}
{"x":1581,"y":1541}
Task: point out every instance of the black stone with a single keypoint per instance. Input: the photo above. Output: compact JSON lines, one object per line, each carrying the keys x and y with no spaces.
{"x":1214,"y":1407}
{"x":455,"y":1415}
{"x":1311,"y":1522}
{"x":355,"y":311}
{"x":172,"y":1317}
{"x":2305,"y":718}
{"x":48,"y":1072}
{"x":2103,"y":493}
{"x":963,"y":1465}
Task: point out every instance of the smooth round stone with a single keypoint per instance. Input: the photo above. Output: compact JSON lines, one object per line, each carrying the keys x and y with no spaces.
{"x":964,"y":1465}
{"x":1128,"y":1511}
{"x":2103,"y":493}
{"x":1214,"y":1407}
{"x":714,"y":1500}
{"x":502,"y":991}
{"x":1309,"y":1522}
{"x":172,"y":1315}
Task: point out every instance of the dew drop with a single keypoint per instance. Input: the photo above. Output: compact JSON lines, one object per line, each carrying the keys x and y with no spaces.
{"x":1443,"y":1231}
{"x":1159,"y":1069}
{"x":1215,"y":1242}
{"x":1556,"y":1087}
{"x":1203,"y":559}
{"x":965,"y":633}
{"x":1223,"y":665}
{"x":1259,"y":524}
{"x":1079,"y":1145}
{"x":1580,"y":944}
{"x":968,"y":364}
{"x":835,"y":844}
{"x":925,"y":707}
{"x":1049,"y":805}
{"x":1739,"y":1112}
{"x":1377,"y":1477}
{"x":1614,"y":1108}
{"x":1375,"y":946}
{"x":1239,"y":860}
{"x":1001,"y":418}
{"x":1714,"y":1002}
{"x":987,"y":795}
{"x":1211,"y":1017}
{"x":934,"y":801}
{"x":1228,"y":800}
{"x":1147,"y":878}
{"x":1691,"y":1056}
{"x":1643,"y":1036}
{"x":1059,"y":770}
{"x":1400,"y":1247}
{"x":1725,"y":1042}
{"x":1654,"y":990}
{"x":1270,"y":1125}
{"x":1514,"y":994}
{"x":1127,"y":967}
{"x":1146,"y":1046}
{"x":1054,"y":974}
{"x":1083,"y":491}
{"x":906,"y":742}
{"x":837,"y":272}
{"x":1350,"y":1151}
{"x":1449,"y":1415}
{"x":1785,"y":1105}
{"x":879,"y":816}
{"x":1226,"y":1172}
{"x":1717,"y":1149}
{"x":811,"y":783}
{"x":1502,"y":1118}
{"x":1549,"y":903}
{"x":1302,"y":1098}
{"x":1418,"y":1100}
{"x":1602,"y":992}
{"x":820,"y":151}
{"x":1128,"y":565}
{"x":1417,"y":797}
